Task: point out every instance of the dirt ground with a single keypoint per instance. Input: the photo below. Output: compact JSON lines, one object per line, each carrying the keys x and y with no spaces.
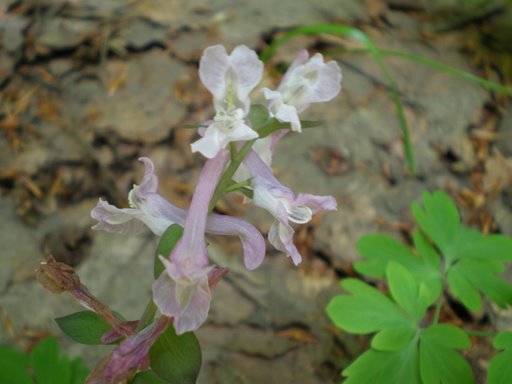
{"x":89,"y":86}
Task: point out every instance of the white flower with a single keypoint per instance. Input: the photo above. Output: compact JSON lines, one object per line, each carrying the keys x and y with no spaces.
{"x":307,"y":81}
{"x":230,"y":79}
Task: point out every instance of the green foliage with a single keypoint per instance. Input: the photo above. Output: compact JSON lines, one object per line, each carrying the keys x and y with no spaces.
{"x":147,"y":377}
{"x":407,"y":347}
{"x":500,"y":368}
{"x":176,"y":358}
{"x":85,"y":327}
{"x":44,"y":365}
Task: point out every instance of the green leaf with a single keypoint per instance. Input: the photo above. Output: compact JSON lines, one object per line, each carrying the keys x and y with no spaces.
{"x":503,"y":340}
{"x":85,"y":327}
{"x":78,"y":371}
{"x":393,"y":339}
{"x":48,"y":366}
{"x":467,"y":277}
{"x":13,"y":373}
{"x":439,"y":363}
{"x":367,"y":310}
{"x":11,"y":355}
{"x":438,"y":218}
{"x":176,"y":358}
{"x":471,"y":244}
{"x":463,"y":290}
{"x":405,"y":290}
{"x":165,"y":246}
{"x":379,"y":367}
{"x":500,"y":367}
{"x":379,"y":250}
{"x":258,"y":116}
{"x":147,"y":377}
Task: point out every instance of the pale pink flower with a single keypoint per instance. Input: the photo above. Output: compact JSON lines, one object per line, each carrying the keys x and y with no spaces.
{"x":284,"y":205}
{"x":307,"y":81}
{"x":230,"y":79}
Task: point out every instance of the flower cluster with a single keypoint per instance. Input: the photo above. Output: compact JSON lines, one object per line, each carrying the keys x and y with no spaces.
{"x":183,"y":291}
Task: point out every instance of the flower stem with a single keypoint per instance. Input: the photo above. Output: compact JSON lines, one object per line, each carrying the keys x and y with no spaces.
{"x":437,"y":311}
{"x":225,"y":180}
{"x":147,"y":316}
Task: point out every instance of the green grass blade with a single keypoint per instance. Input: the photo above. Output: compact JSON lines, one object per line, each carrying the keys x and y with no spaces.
{"x":356,"y":34}
{"x":488,"y":84}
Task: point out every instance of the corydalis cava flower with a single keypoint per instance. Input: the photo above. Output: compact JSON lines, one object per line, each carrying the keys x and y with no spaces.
{"x":307,"y":81}
{"x":183,"y":290}
{"x":281,"y":202}
{"x":149,"y":208}
{"x":230,"y":79}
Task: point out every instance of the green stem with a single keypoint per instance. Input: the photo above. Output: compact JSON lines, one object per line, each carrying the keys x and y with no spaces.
{"x":437,"y":311}
{"x":225,"y":180}
{"x":147,"y":316}
{"x":237,"y":186}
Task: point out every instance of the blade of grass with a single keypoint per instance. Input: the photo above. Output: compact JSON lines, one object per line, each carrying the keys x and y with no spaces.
{"x":488,"y":84}
{"x":356,"y":34}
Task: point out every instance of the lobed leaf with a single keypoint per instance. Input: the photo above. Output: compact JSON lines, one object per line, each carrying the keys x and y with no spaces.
{"x":438,"y":218}
{"x":405,"y":291}
{"x":379,"y":250}
{"x":471,"y":244}
{"x":439,"y":363}
{"x":469,"y":277}
{"x":176,"y":358}
{"x":500,"y":369}
{"x":48,"y":367}
{"x":380,"y":367}
{"x":366,"y":310}
{"x":85,"y":327}
{"x":393,"y":339}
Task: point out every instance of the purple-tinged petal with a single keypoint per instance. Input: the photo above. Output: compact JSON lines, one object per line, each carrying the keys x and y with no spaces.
{"x":253,"y":243}
{"x":132,"y":353}
{"x":317,"y":203}
{"x":112,"y":219}
{"x":187,"y":301}
{"x":248,"y":68}
{"x":230,"y":78}
{"x":282,"y":203}
{"x":212,"y":70}
{"x":305,"y":82}
{"x":149,"y":182}
{"x":183,"y":291}
{"x":280,"y":236}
